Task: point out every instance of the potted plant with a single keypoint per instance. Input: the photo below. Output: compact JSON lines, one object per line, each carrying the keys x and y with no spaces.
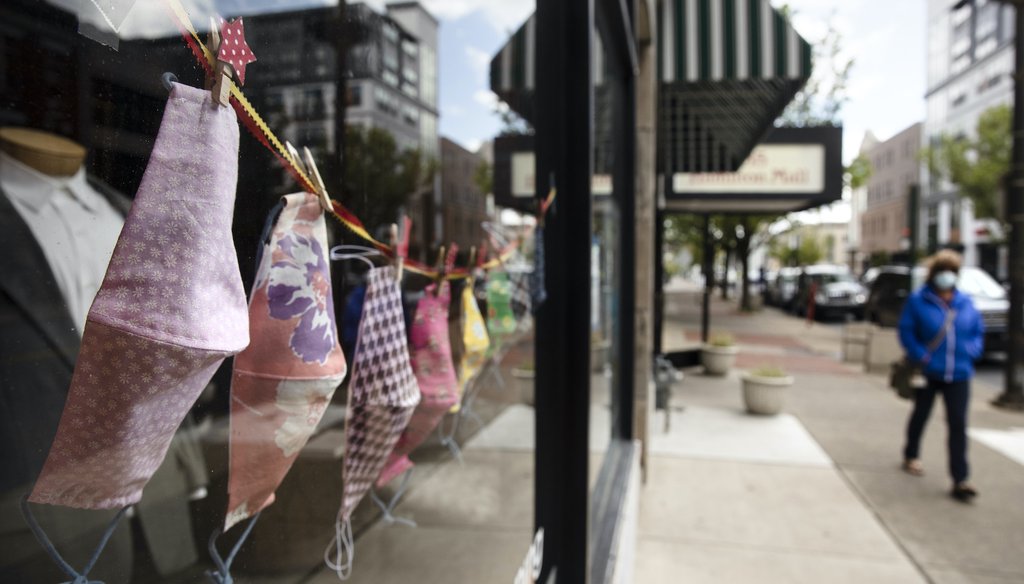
{"x":764,"y":390}
{"x":524,"y":376}
{"x":719,"y":354}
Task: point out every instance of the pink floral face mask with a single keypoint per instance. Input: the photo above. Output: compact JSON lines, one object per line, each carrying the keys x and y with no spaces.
{"x":381,"y":398}
{"x":170,"y":309}
{"x":431,"y":358}
{"x":285,"y":379}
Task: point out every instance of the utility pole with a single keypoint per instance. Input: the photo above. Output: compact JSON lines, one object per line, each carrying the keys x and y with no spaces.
{"x":1013,"y":389}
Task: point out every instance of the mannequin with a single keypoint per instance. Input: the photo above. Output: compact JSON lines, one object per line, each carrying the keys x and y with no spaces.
{"x":43,"y":305}
{"x":48,"y":153}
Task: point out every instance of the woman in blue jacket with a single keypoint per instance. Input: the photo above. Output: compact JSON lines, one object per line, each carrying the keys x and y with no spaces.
{"x":942,"y":331}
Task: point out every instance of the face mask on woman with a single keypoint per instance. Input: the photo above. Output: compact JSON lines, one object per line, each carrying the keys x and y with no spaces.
{"x":945,"y":280}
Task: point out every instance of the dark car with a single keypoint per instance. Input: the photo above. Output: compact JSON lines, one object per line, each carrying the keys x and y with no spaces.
{"x":835,"y":292}
{"x":782,"y":288}
{"x":893,"y":284}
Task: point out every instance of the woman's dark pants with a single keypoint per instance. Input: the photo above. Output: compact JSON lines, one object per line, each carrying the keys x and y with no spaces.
{"x":956,"y":396}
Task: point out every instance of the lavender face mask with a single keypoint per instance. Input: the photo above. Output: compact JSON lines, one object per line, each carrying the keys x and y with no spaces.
{"x":170,"y":309}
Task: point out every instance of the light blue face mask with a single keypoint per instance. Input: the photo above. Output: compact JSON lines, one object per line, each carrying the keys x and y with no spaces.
{"x":945,"y":280}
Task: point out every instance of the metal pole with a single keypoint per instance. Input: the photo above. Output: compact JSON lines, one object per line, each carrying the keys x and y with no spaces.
{"x":913,"y":212}
{"x":659,"y":279}
{"x":1013,"y":392}
{"x":563,"y":140}
{"x":709,"y":281}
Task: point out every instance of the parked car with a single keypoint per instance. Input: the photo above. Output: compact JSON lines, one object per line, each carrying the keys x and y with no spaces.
{"x":836,"y":292}
{"x":894,"y":283}
{"x":782,"y":287}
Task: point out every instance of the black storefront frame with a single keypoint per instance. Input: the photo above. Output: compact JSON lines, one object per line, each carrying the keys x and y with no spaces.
{"x":579,"y":536}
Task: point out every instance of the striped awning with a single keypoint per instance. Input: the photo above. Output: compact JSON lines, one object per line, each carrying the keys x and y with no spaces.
{"x":512,"y":70}
{"x":727,"y":69}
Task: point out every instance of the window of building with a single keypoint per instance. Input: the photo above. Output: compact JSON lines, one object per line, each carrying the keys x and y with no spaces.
{"x":390,"y":77}
{"x":410,"y":48}
{"x":354,"y":95}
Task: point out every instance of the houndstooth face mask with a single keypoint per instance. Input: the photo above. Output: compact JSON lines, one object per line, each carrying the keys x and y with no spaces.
{"x":383,"y":392}
{"x":431,"y":359}
{"x":284,"y":380}
{"x":381,"y":398}
{"x":170,"y":309}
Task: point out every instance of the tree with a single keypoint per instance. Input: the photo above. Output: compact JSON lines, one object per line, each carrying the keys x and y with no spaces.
{"x":380,"y":179}
{"x":821,"y":100}
{"x":483,"y":177}
{"x":977,"y":165}
{"x":858,"y":172}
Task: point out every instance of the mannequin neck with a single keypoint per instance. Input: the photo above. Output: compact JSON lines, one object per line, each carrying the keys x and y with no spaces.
{"x":45,"y":152}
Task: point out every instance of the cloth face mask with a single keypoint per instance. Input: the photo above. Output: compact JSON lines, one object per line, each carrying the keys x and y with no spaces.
{"x":170,"y":309}
{"x":381,"y":398}
{"x":520,"y":283}
{"x":283,"y":382}
{"x":474,"y":339}
{"x":500,"y":320}
{"x":431,"y":357}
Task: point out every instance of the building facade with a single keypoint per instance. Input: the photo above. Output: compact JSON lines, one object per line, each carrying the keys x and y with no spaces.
{"x":970,"y":63}
{"x":465,"y":205}
{"x":895,"y":167}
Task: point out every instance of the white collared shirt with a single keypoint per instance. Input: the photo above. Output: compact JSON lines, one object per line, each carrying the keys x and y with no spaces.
{"x":75,"y":226}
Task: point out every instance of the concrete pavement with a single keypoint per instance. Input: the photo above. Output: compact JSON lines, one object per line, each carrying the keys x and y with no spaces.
{"x":816,"y":494}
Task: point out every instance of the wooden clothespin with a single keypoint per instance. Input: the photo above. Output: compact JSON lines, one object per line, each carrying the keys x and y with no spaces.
{"x":396,"y":248}
{"x":231,"y":53}
{"x":295,"y":157}
{"x":440,"y":270}
{"x":220,"y":82}
{"x":318,"y":182}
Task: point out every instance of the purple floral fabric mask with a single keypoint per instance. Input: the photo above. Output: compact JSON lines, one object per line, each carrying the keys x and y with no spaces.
{"x":170,"y":309}
{"x":284,"y":380}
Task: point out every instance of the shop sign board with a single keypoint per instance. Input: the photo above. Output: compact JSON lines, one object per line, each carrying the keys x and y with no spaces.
{"x":770,"y":168}
{"x":790,"y":170}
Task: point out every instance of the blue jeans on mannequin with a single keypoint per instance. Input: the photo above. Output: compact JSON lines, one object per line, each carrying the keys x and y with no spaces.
{"x":956,"y":395}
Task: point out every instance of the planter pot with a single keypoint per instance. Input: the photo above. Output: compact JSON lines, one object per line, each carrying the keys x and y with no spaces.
{"x":765,"y":396}
{"x":525,"y":383}
{"x":718,"y":360}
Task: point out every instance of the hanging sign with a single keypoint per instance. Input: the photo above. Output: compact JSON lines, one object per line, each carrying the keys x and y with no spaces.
{"x":770,"y":168}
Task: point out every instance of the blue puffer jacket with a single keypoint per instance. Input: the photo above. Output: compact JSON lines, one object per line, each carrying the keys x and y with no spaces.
{"x":923,"y":316}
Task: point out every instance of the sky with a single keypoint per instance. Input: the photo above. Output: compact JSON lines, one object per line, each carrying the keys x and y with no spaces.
{"x":886,"y":39}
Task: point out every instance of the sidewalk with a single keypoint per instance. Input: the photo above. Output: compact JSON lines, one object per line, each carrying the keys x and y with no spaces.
{"x":816,"y":494}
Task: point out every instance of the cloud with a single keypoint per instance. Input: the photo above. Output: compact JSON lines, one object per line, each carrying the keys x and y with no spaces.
{"x":453,"y":110}
{"x":479,"y":63}
{"x":503,"y":15}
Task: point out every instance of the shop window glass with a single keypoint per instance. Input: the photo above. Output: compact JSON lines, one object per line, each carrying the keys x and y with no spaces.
{"x":473,"y":477}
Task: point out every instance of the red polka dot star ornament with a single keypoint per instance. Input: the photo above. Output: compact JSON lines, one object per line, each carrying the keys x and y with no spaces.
{"x":233,"y":49}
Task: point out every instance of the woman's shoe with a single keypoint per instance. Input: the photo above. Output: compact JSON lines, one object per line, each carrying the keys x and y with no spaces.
{"x":913,"y":466}
{"x":963,"y":492}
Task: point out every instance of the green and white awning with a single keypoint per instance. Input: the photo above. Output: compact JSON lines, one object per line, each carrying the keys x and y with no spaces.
{"x":727,"y":69}
{"x":512,"y":70}
{"x":730,"y":40}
